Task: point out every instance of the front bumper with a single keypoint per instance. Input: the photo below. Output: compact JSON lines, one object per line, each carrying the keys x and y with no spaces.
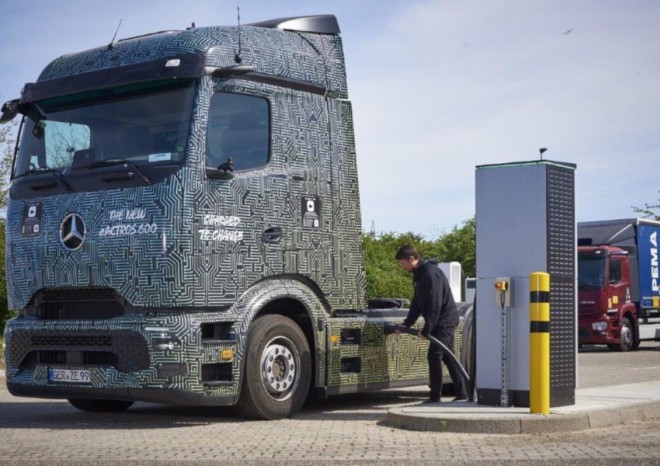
{"x":160,"y":357}
{"x":588,"y":336}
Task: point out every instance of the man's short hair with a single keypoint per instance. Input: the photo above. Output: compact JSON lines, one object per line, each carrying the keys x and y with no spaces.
{"x":405,"y":252}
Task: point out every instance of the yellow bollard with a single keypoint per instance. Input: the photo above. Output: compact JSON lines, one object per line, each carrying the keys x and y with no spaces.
{"x":539,"y":343}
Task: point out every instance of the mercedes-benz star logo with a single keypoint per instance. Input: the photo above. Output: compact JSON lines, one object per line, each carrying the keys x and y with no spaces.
{"x":72,"y":231}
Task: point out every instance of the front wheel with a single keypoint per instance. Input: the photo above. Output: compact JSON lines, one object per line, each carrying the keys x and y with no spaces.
{"x":627,"y":340}
{"x":100,"y":406}
{"x":278,"y":369}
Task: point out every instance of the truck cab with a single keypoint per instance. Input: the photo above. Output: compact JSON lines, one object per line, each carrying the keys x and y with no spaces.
{"x":606,"y":311}
{"x":618,"y":277}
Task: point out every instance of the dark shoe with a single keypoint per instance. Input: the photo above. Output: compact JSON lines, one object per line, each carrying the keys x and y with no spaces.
{"x":460,"y":398}
{"x":430,"y":402}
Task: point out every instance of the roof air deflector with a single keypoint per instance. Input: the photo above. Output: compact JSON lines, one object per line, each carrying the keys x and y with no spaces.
{"x":319,"y":24}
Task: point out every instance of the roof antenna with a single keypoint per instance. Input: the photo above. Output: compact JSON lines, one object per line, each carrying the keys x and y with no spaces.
{"x":111,"y":45}
{"x":542,"y":150}
{"x":237,"y":57}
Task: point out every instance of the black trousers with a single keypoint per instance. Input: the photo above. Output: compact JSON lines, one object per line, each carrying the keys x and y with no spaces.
{"x":436,"y":356}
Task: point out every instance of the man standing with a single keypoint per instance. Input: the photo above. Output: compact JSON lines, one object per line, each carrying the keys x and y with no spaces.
{"x":433,"y":301}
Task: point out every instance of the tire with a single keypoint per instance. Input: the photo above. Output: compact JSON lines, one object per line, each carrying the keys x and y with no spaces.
{"x":100,"y":406}
{"x":277,"y":369}
{"x":627,"y":340}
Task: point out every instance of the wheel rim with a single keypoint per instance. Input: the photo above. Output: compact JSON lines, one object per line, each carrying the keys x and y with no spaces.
{"x":280,"y":368}
{"x":626,"y":336}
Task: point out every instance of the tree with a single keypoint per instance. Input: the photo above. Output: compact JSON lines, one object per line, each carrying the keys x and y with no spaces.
{"x":460,"y":245}
{"x":385,"y":279}
{"x":7,"y":144}
{"x":650,"y":211}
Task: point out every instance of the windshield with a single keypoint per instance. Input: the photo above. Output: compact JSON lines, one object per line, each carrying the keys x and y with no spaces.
{"x":145,"y":124}
{"x":591,"y":272}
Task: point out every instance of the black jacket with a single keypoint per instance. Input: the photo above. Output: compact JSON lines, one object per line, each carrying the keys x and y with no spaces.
{"x":432,"y":300}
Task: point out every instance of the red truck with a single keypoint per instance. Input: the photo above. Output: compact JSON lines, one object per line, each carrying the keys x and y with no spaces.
{"x":618,"y":283}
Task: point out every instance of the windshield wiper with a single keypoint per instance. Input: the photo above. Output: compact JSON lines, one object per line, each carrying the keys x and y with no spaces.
{"x":112,"y":162}
{"x":59,"y":176}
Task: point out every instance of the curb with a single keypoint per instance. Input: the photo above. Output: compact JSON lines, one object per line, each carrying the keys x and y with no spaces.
{"x":524,"y":423}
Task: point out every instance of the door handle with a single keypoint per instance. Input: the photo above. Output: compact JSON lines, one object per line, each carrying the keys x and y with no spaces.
{"x":271,"y":235}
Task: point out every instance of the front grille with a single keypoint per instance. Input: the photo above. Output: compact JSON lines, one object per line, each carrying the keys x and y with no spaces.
{"x":77,"y":304}
{"x":125,"y":349}
{"x":78,"y":294}
{"x":61,"y":358}
{"x":51,"y":357}
{"x":69,"y":340}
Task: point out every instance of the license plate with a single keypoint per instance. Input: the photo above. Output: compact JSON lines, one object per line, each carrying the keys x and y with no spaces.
{"x":69,"y":376}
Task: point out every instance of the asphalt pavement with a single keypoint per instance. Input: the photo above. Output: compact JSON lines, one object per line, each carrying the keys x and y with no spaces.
{"x":346,"y":429}
{"x":594,"y":407}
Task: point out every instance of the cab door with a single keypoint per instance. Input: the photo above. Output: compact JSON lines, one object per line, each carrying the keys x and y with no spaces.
{"x":239,"y":216}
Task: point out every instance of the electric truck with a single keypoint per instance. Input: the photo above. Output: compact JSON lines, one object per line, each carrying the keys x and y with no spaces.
{"x":184,"y":227}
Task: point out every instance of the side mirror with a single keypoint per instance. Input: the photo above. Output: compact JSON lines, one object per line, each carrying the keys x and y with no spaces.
{"x":215,"y":174}
{"x":225,"y":171}
{"x":9,"y":110}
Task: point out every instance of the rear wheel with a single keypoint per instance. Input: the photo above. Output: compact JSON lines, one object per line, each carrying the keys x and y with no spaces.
{"x":278,"y":369}
{"x":100,"y":406}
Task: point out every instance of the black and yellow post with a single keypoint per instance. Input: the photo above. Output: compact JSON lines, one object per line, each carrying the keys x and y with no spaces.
{"x":539,"y":343}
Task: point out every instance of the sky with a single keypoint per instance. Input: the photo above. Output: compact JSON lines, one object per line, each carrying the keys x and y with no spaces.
{"x":438,"y":87}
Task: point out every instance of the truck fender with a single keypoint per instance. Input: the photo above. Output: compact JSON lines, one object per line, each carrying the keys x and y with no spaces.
{"x":251,"y":304}
{"x":630,"y":311}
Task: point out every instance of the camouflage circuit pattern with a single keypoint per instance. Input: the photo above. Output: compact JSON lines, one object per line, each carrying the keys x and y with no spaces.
{"x":383,"y":359}
{"x":169,"y":264}
{"x":181,"y":268}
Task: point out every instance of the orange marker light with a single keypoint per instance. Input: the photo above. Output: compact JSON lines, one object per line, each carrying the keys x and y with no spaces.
{"x":501,"y":285}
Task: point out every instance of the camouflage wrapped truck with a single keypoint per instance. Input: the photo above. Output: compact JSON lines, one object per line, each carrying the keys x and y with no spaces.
{"x":184,"y":226}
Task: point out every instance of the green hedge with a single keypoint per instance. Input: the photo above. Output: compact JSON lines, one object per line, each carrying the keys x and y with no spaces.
{"x":385,"y":279}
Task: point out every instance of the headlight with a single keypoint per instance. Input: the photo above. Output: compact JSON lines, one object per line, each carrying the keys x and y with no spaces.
{"x":599,"y":326}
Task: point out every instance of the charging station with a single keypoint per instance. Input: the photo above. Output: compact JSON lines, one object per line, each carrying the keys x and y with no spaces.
{"x":525,"y":223}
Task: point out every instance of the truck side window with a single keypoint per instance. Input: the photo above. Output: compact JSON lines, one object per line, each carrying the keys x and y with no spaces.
{"x":238,"y":127}
{"x":615,"y":271}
